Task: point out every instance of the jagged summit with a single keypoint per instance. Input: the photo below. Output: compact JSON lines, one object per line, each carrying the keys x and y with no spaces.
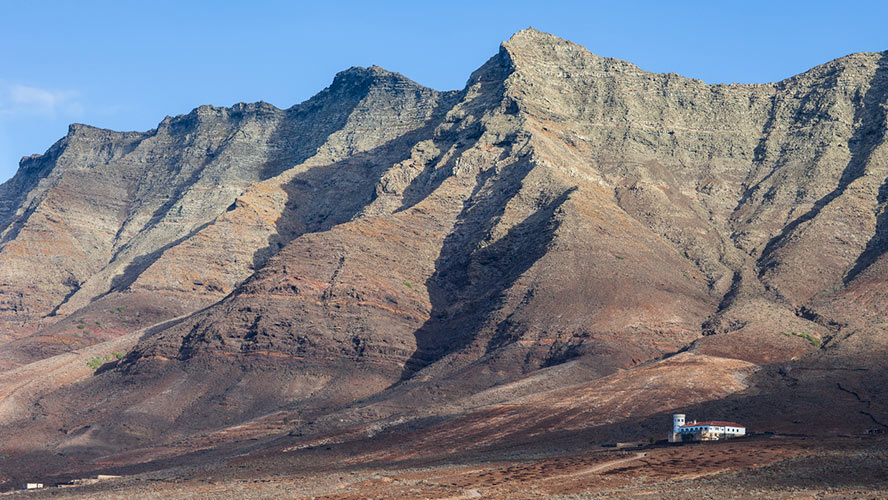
{"x":531,"y":37}
{"x":376,"y":77}
{"x":369,"y":71}
{"x":372,"y":75}
{"x":541,"y":51}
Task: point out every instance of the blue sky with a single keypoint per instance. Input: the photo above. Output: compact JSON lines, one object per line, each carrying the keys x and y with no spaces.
{"x":126,"y":65}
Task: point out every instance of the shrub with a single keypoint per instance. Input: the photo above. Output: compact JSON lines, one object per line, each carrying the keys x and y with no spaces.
{"x":807,"y":336}
{"x":94,"y":362}
{"x":408,"y":284}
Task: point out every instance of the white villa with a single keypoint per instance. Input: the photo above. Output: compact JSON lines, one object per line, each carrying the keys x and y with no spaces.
{"x":703,"y":431}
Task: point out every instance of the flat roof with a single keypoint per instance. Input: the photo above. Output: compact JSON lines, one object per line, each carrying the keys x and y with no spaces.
{"x":715,"y":423}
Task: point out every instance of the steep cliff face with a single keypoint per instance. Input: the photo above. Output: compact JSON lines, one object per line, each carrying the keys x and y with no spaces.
{"x":387,"y":242}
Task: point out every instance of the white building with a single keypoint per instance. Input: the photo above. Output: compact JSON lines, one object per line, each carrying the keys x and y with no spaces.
{"x":703,"y":431}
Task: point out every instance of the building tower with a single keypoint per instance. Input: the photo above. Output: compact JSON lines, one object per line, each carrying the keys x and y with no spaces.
{"x":678,"y":420}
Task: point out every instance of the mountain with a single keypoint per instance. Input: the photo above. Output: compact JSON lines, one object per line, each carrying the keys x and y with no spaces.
{"x":385,"y":257}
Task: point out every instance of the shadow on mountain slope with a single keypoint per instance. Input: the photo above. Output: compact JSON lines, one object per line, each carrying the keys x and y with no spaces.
{"x":328,"y":195}
{"x":871,"y":116}
{"x":877,"y":245}
{"x":296,"y":122}
{"x":470,"y":279}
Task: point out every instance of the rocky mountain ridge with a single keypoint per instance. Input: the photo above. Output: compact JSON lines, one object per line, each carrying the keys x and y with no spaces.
{"x":385,"y":251}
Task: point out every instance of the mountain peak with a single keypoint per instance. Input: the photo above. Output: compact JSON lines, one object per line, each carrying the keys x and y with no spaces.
{"x":531,"y":33}
{"x":358,"y":75}
{"x":531,"y":51}
{"x":532,"y":40}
